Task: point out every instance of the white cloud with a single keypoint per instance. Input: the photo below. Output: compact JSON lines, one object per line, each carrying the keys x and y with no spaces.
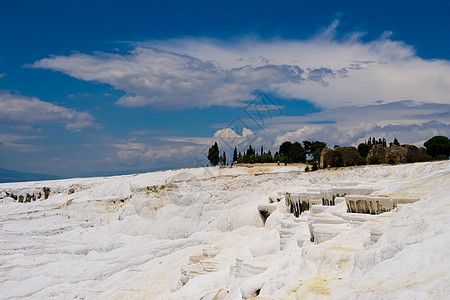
{"x":168,"y":80}
{"x":228,"y":133}
{"x":202,"y":72}
{"x":15,"y":142}
{"x":21,"y":110}
{"x":345,"y":134}
{"x":192,"y":150}
{"x":132,"y":152}
{"x":189,"y":140}
{"x":395,"y":113}
{"x":409,"y":121}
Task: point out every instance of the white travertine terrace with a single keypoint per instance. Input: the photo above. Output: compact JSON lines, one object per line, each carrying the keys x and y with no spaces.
{"x":327,"y":216}
{"x":375,"y":204}
{"x":198,"y":234}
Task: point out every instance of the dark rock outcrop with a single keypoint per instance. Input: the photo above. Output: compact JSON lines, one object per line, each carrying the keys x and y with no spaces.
{"x":396,"y":154}
{"x":339,"y":157}
{"x":325,"y":158}
{"x":377,"y":155}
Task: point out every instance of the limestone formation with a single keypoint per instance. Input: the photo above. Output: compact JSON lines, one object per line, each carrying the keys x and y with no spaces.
{"x":377,"y":154}
{"x":396,"y":154}
{"x":375,"y":204}
{"x":368,"y":204}
{"x":300,"y":202}
{"x":339,"y":157}
{"x":325,"y":158}
{"x":199,"y":265}
{"x":265,"y":211}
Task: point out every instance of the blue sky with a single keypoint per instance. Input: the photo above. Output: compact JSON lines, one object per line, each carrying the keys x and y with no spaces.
{"x":106,"y":87}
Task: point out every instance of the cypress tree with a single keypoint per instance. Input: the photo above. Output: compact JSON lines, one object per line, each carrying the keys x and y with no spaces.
{"x":250,"y":150}
{"x":213,"y":154}
{"x":235,"y":154}
{"x":224,"y":159}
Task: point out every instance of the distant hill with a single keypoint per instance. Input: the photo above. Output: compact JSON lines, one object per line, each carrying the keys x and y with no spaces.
{"x":16,"y":176}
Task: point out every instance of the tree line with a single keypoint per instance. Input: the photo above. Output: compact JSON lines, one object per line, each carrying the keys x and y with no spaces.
{"x":437,"y":148}
{"x":288,"y":153}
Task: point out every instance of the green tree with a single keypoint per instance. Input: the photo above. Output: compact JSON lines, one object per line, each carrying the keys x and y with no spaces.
{"x":223,"y":159}
{"x":276,"y":157}
{"x":438,"y":146}
{"x":250,"y":150}
{"x":296,"y":153}
{"x":235,"y":154}
{"x":336,"y":159}
{"x":266,"y":158}
{"x":285,"y":147}
{"x":364,"y":149}
{"x":316,"y":149}
{"x":307,"y":146}
{"x":396,"y":142}
{"x":213,"y":154}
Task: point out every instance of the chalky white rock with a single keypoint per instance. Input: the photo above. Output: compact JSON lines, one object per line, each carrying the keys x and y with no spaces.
{"x":199,"y":234}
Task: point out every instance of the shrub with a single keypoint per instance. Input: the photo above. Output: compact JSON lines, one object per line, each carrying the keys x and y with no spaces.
{"x":363,"y":149}
{"x":391,"y":159}
{"x":374,"y":161}
{"x":361,"y":161}
{"x":336,"y":159}
{"x":46,"y":191}
{"x":438,"y":145}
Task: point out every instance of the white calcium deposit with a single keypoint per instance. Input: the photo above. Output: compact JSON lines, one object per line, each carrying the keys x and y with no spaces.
{"x":198,"y":234}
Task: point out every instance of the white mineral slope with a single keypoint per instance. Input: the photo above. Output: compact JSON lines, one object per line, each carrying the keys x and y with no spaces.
{"x":130,"y":237}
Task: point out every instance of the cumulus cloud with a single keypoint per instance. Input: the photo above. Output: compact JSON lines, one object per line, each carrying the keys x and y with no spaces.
{"x":409,"y":121}
{"x":199,"y":72}
{"x":21,"y":110}
{"x":131,"y":152}
{"x":345,"y":134}
{"x":228,"y":133}
{"x":169,"y":80}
